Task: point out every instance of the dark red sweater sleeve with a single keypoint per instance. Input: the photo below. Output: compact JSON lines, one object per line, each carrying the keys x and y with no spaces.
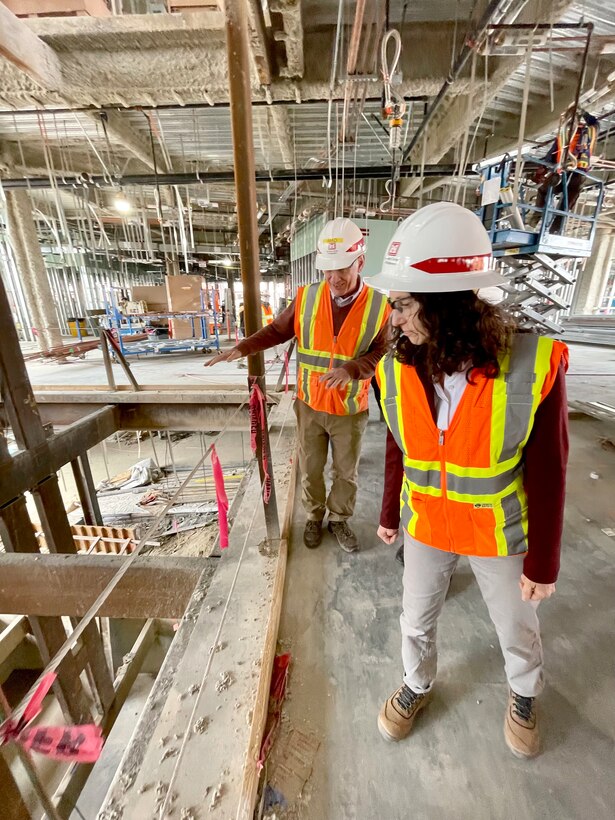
{"x":545,"y":460}
{"x":279,"y":331}
{"x":393,"y":477}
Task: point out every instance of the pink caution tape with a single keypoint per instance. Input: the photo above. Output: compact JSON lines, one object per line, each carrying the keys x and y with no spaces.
{"x":79,"y":744}
{"x":221,"y":498}
{"x":258,"y":420}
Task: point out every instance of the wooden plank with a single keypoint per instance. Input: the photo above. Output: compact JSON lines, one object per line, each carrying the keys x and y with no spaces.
{"x":86,"y":489}
{"x":69,"y":584}
{"x":28,"y":52}
{"x":251,"y":769}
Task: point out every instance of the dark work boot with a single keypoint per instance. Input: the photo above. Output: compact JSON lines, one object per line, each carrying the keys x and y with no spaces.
{"x":312,"y":534}
{"x":345,"y":536}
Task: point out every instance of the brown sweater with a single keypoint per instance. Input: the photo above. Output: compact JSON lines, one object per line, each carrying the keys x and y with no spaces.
{"x":544,"y":466}
{"x":282,"y":329}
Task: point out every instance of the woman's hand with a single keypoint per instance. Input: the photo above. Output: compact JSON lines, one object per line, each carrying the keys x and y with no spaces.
{"x":387,"y":535}
{"x":534,"y":592}
{"x":228,"y":356}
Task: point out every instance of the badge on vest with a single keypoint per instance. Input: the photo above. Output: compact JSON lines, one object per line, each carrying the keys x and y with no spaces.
{"x":485,"y":506}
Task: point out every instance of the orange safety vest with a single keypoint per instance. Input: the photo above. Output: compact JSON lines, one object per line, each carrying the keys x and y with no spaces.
{"x":463,"y":488}
{"x":267,"y":314}
{"x":318,"y":350}
{"x":581,"y":146}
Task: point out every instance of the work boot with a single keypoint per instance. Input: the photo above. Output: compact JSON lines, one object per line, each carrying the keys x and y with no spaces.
{"x":399,"y":555}
{"x":397,"y":715}
{"x":520,"y":726}
{"x":345,"y":536}
{"x":312,"y":534}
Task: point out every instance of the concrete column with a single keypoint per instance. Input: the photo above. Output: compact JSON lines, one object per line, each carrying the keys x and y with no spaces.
{"x":31,"y":268}
{"x":593,"y":278}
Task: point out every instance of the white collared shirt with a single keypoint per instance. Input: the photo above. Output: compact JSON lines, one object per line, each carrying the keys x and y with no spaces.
{"x":448,"y":395}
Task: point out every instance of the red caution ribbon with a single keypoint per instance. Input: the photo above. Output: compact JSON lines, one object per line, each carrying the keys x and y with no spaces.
{"x":258,"y":420}
{"x":221,"y":498}
{"x":75,"y":744}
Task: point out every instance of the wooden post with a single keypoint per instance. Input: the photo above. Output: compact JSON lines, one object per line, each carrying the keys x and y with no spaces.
{"x":238,"y":51}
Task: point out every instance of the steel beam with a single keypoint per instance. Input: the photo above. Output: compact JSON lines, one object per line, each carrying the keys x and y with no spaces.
{"x":56,"y":585}
{"x":29,"y":467}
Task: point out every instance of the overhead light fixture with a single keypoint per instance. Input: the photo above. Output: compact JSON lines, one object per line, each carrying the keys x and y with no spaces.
{"x":227,"y":262}
{"x":121,"y":203}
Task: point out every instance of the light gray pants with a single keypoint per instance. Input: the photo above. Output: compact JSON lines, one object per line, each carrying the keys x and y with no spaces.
{"x":427,"y":574}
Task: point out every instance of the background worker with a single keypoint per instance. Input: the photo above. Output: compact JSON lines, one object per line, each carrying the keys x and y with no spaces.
{"x":577,"y":157}
{"x":478,"y":445}
{"x":340,"y":325}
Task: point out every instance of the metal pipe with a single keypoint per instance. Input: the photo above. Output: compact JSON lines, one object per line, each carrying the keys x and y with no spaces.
{"x":194,"y":178}
{"x":88,"y":109}
{"x":460,"y":62}
{"x":238,"y":50}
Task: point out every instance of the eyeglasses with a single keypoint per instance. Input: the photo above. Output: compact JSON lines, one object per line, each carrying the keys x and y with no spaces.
{"x":401,"y":304}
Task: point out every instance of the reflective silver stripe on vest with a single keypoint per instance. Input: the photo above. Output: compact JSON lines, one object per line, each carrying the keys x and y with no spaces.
{"x":308,"y":310}
{"x":353,"y":391}
{"x":371,"y":326}
{"x":519,"y":393}
{"x":389,"y":404}
{"x":424,"y":478}
{"x":489,"y":485}
{"x":406,"y":512}
{"x":313,"y":359}
{"x":305,"y":373}
{"x":514,"y":534}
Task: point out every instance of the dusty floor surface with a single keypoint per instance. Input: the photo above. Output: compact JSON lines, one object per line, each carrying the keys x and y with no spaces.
{"x":340,"y":622}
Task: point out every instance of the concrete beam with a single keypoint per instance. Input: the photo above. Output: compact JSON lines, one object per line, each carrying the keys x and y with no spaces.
{"x":149,"y":409}
{"x":57,"y":585}
{"x":27,"y":52}
{"x":120,"y":131}
{"x":160,"y":59}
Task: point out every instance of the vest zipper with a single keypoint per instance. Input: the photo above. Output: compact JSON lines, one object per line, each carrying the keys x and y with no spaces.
{"x":443,"y":487}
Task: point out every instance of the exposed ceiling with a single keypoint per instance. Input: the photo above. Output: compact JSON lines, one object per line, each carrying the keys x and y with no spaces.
{"x":160,"y":81}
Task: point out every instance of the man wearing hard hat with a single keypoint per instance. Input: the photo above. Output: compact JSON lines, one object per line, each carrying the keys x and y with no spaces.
{"x":341,"y":329}
{"x":476,"y":450}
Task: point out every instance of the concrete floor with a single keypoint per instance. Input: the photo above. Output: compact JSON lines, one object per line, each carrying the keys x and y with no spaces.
{"x":340,"y":622}
{"x":185,"y":369}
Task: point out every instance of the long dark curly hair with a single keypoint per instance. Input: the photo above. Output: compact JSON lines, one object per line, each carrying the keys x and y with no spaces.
{"x":461,"y":328}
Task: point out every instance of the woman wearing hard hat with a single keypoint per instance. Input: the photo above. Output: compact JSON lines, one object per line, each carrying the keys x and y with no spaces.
{"x":477,"y":449}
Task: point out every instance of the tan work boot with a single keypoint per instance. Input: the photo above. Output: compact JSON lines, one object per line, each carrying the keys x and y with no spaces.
{"x":520,"y":726}
{"x":397,"y":715}
{"x":345,"y":536}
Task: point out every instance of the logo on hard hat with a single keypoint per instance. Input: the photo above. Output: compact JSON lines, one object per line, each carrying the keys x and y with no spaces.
{"x":332,"y":247}
{"x":394,"y":248}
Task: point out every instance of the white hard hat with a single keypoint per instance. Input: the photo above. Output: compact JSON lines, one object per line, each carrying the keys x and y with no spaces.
{"x":439,"y":249}
{"x":339,"y":244}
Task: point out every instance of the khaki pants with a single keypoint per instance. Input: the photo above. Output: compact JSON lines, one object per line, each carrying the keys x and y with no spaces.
{"x":315,"y":430}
